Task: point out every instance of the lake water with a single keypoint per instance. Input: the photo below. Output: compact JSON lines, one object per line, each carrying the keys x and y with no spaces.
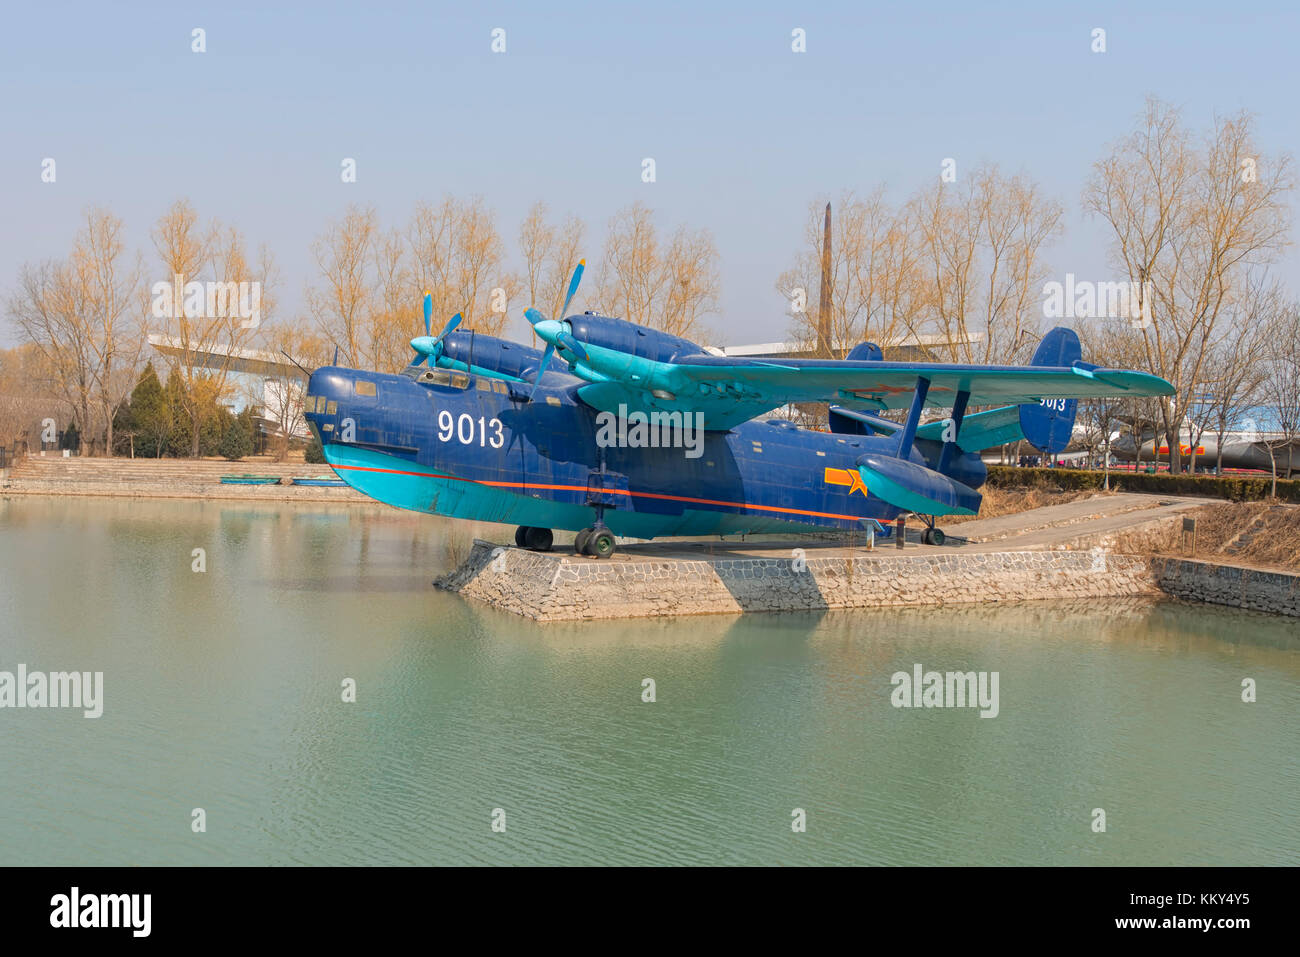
{"x":223,"y":691}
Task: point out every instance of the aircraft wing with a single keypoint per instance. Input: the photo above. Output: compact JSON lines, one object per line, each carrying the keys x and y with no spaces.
{"x":732,"y":390}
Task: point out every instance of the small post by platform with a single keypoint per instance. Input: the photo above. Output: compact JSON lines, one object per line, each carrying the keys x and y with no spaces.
{"x":900,"y":530}
{"x":1189,"y":536}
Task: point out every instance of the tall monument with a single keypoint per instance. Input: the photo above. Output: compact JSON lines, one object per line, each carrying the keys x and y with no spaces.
{"x":824,"y":300}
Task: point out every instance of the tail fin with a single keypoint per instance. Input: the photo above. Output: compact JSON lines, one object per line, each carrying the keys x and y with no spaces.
{"x":1048,"y":425}
{"x":866,"y":350}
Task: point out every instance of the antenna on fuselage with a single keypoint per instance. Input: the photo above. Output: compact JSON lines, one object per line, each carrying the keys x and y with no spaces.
{"x":295,"y":362}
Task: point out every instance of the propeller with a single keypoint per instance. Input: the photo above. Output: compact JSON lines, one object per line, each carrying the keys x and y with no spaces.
{"x":428,"y":347}
{"x":557,"y":332}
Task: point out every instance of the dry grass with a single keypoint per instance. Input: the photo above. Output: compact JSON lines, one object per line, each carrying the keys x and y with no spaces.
{"x":1274,"y":543}
{"x":458,"y":544}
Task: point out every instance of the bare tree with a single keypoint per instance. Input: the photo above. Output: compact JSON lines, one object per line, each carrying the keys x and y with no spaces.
{"x":83,"y":315}
{"x":670,"y":288}
{"x":1190,"y":222}
{"x":1233,"y":370}
{"x":550,"y":254}
{"x":284,"y":393}
{"x":982,"y":245}
{"x":204,"y":332}
{"x":875,"y":277}
{"x":1281,"y":390}
{"x":342,"y":304}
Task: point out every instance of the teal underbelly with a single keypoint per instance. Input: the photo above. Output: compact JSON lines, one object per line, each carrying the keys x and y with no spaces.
{"x":404,"y":484}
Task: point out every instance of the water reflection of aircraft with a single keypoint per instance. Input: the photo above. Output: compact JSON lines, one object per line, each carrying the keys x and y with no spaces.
{"x":482,"y":428}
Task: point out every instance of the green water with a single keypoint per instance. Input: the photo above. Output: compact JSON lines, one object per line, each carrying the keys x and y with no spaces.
{"x":222,"y":691}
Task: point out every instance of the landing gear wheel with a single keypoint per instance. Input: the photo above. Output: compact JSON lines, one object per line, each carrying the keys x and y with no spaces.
{"x":538,"y":539}
{"x":581,"y":539}
{"x":521,"y":536}
{"x":601,"y":544}
{"x":933,"y":536}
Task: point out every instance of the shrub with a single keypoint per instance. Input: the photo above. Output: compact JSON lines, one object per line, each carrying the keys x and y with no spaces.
{"x":1235,"y":488}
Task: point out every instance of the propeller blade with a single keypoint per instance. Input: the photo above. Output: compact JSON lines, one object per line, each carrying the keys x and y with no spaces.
{"x":574,"y":346}
{"x":451,"y":327}
{"x":429,"y":348}
{"x":533,"y":316}
{"x":428,"y":313}
{"x":541,"y":369}
{"x":573,"y":286}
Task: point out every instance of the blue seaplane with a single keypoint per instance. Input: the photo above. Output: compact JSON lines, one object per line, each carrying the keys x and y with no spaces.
{"x":646,"y":435}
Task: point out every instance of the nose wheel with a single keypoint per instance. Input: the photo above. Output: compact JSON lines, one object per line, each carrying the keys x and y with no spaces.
{"x":534,"y":539}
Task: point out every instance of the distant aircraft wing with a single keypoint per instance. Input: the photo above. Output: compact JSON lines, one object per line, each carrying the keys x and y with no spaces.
{"x":730,"y":390}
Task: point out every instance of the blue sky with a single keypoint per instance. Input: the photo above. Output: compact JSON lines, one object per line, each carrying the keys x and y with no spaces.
{"x":253,"y":131}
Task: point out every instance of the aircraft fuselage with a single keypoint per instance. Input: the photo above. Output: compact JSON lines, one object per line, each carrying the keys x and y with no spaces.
{"x":473,"y":446}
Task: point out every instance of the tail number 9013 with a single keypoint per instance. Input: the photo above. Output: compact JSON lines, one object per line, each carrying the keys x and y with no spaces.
{"x":1056,"y":405}
{"x":467,"y":430}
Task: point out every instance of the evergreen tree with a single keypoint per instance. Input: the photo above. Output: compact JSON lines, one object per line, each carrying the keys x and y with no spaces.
{"x":146,"y":416}
{"x":179,"y":434}
{"x":237,"y":442}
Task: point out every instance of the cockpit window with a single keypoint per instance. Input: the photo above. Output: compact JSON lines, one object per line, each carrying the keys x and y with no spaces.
{"x":456,"y":380}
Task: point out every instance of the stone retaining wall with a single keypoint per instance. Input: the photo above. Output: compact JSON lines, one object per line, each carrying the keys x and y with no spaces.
{"x":556,"y":587}
{"x":1275,"y":592}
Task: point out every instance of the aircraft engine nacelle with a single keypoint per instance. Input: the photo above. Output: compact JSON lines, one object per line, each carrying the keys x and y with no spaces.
{"x":624,"y":336}
{"x":459,"y":349}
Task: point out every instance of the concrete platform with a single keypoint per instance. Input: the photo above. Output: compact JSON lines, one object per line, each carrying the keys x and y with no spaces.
{"x":634,"y":584}
{"x":1061,"y":551}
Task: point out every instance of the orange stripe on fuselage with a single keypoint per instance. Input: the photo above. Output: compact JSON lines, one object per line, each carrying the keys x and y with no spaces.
{"x":583,"y":488}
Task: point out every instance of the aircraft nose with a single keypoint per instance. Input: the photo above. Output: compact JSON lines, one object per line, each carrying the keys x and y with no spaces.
{"x":328,"y":384}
